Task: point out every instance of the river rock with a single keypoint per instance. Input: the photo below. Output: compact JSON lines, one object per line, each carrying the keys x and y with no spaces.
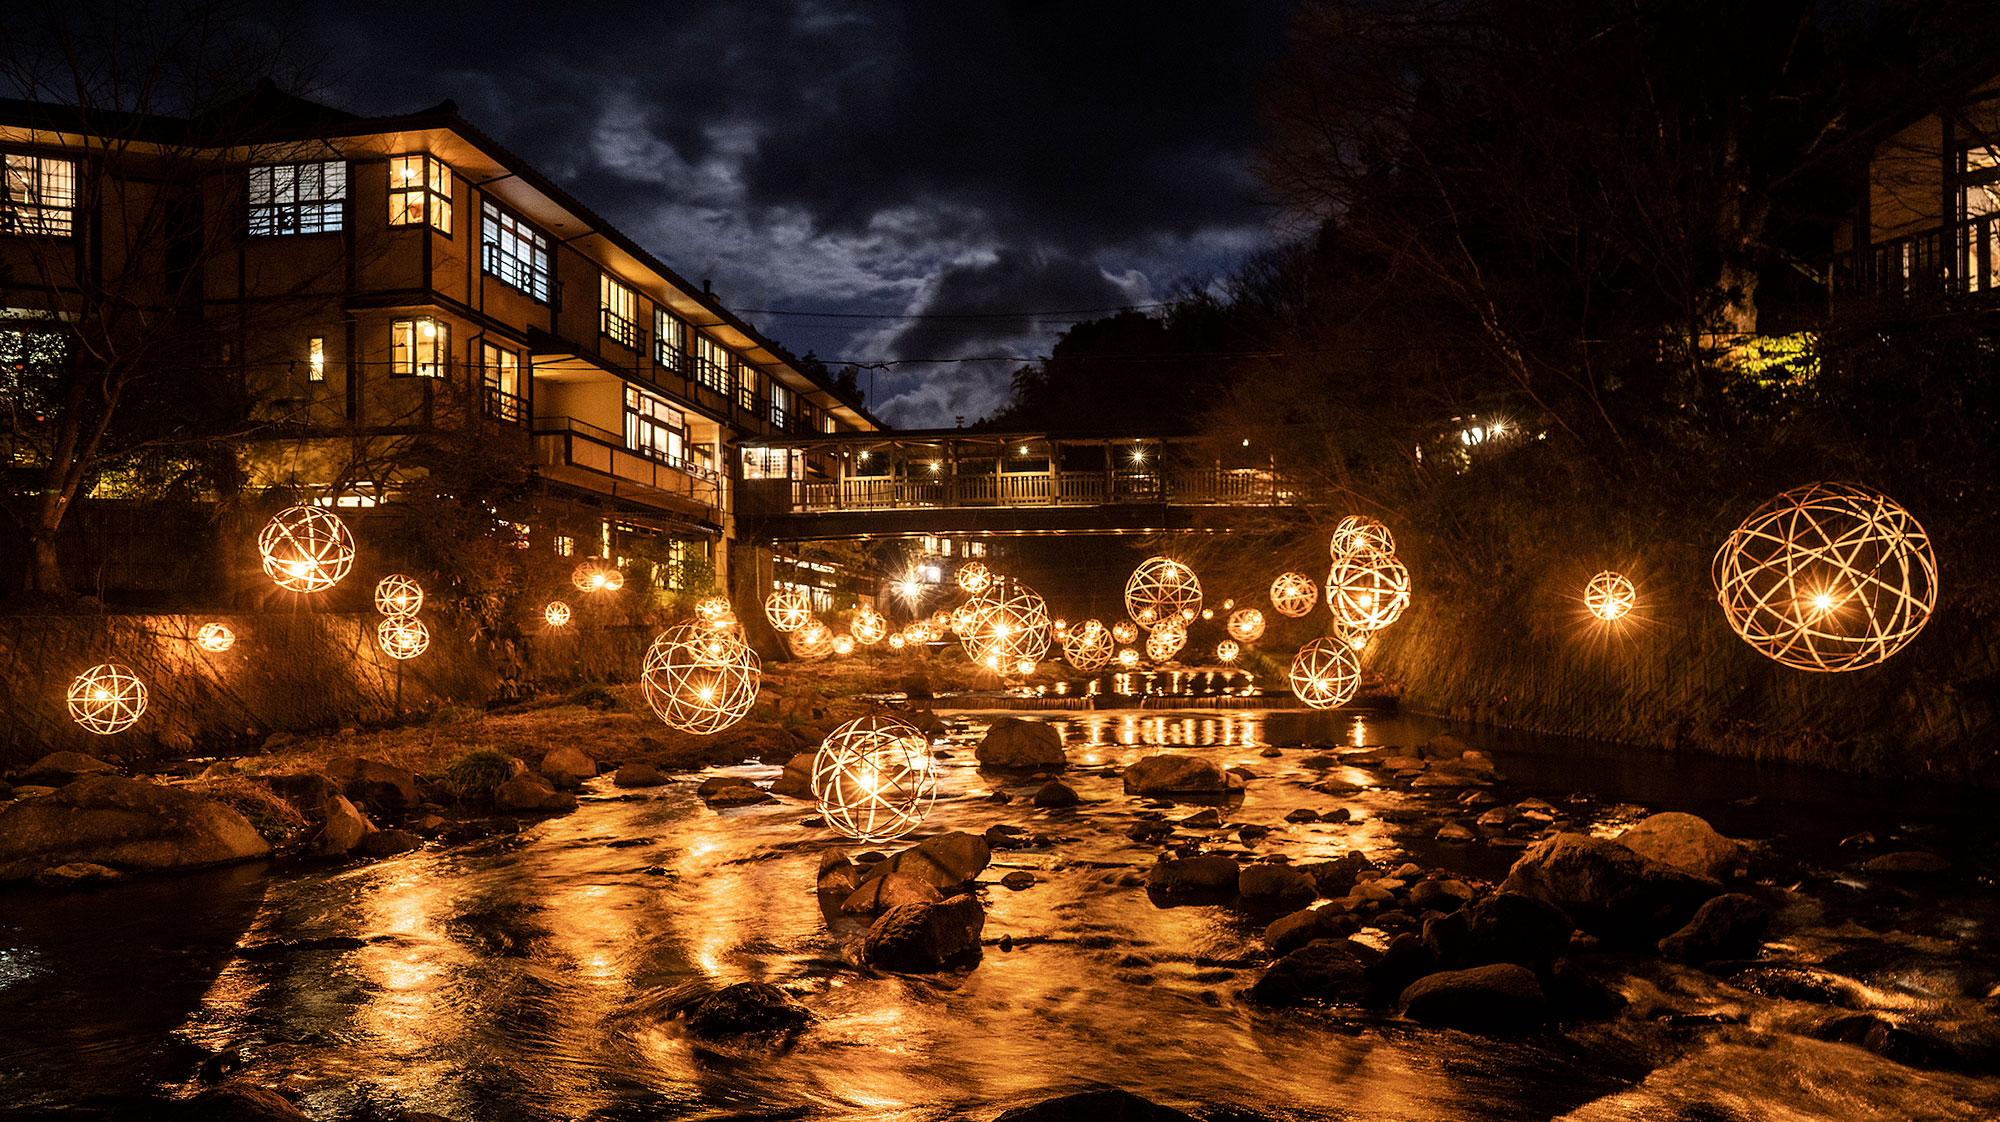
{"x":1907,"y":863}
{"x":1012,"y":743}
{"x":388,"y":843}
{"x":376,"y":784}
{"x":878,"y":895}
{"x":838,"y":874}
{"x":1170,"y":774}
{"x":242,"y":1102}
{"x":1502,"y":998}
{"x":925,"y":938}
{"x":1325,"y":971}
{"x":1293,"y":930}
{"x":528,"y":793}
{"x":1209,"y":873}
{"x":1686,"y":842}
{"x":1273,"y":881}
{"x":59,"y":769}
{"x":1443,"y":746}
{"x":309,"y":792}
{"x":567,"y":767}
{"x":1503,"y":927}
{"x":1334,"y":878}
{"x":1104,"y":1105}
{"x":1439,"y":895}
{"x":1607,"y":889}
{"x":1729,"y":926}
{"x":945,"y":861}
{"x":638,"y":775}
{"x":1055,"y":794}
{"x":344,"y":828}
{"x":795,"y":782}
{"x":746,"y":1009}
{"x":124,"y":823}
{"x":77,"y":874}
{"x":738,"y":794}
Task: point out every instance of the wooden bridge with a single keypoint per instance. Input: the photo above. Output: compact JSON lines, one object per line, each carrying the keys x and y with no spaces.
{"x":950,"y":481}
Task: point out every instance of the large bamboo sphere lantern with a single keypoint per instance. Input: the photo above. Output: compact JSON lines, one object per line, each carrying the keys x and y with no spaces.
{"x":1294,"y":594}
{"x":874,"y":779}
{"x":1166,"y":641}
{"x":1610,"y":596}
{"x":1161,"y":589}
{"x":1358,"y":532}
{"x":973,"y":577}
{"x":1227,"y":651}
{"x":306,"y":549}
{"x":1367,"y":589}
{"x":403,"y":636}
{"x":1125,"y":631}
{"x":215,"y":637}
{"x":787,"y":609}
{"x":1088,"y":646}
{"x":1829,"y":577}
{"x":398,"y":595}
{"x":868,"y":627}
{"x":1011,"y":625}
{"x":1326,"y":674}
{"x":107,"y":698}
{"x":1246,"y":625}
{"x":813,"y":640}
{"x":699,"y":680}
{"x":556,"y":614}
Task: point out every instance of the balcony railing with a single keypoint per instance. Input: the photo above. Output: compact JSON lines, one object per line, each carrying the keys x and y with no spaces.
{"x":600,"y":460}
{"x":1191,"y":487}
{"x":1960,"y":259}
{"x":503,"y":406}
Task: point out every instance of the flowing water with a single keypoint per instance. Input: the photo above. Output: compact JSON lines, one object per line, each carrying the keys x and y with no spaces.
{"x":531,"y":976}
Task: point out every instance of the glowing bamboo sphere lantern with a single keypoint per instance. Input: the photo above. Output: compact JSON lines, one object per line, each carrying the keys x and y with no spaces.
{"x":868,"y":627}
{"x":699,"y":680}
{"x":1162,"y":589}
{"x":897,"y":642}
{"x":1128,"y":658}
{"x":1609,"y":596}
{"x":1025,"y":667}
{"x":1165,"y":641}
{"x":843,"y":645}
{"x":787,"y":609}
{"x":813,"y":640}
{"x":403,"y":636}
{"x":1356,"y":639}
{"x":873,"y":778}
{"x":1367,"y":589}
{"x":1088,"y":646}
{"x":398,"y":595}
{"x":1012,"y":624}
{"x":1125,"y":631}
{"x":306,"y":549}
{"x":107,"y":698}
{"x":215,"y":637}
{"x":1246,"y":625}
{"x":597,"y":575}
{"x":1227,"y":651}
{"x":1827,"y":577}
{"x":1326,"y":673}
{"x":556,"y":614}
{"x":1358,"y":532}
{"x":973,"y":577}
{"x":715,"y":611}
{"x":1294,"y":594}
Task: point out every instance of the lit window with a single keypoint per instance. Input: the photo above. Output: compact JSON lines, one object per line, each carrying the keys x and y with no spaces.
{"x":420,"y":192}
{"x":747,"y":384}
{"x":670,"y":340}
{"x":769,"y":463}
{"x":513,"y":251}
{"x":829,"y":424}
{"x":298,"y":198}
{"x":501,"y":369}
{"x":621,"y":311}
{"x":781,"y":405}
{"x":565,"y":546}
{"x":711,"y":364}
{"x":316,"y":359}
{"x":677,"y":557}
{"x":419,"y":347}
{"x":38,"y":196}
{"x":655,"y":428}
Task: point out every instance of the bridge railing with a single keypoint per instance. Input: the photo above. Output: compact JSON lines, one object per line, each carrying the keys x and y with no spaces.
{"x":1193,"y":487}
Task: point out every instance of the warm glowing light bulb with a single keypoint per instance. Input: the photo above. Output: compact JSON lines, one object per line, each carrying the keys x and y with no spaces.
{"x":100,"y":694}
{"x":1822,"y":603}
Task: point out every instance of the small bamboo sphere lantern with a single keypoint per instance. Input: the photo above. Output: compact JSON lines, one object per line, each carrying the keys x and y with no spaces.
{"x":699,"y":680}
{"x":215,"y":637}
{"x":813,"y":640}
{"x":1326,"y":674}
{"x":897,"y":642}
{"x":1358,"y":532}
{"x":715,"y":611}
{"x":1367,"y":590}
{"x":107,"y":698}
{"x":787,"y":609}
{"x":597,"y":575}
{"x":843,"y":645}
{"x":1125,"y":631}
{"x":1227,"y":651}
{"x":306,"y":549}
{"x":556,"y":614}
{"x":1356,"y":639}
{"x":1294,"y":594}
{"x":1165,"y":641}
{"x":1827,"y":577}
{"x":1128,"y":658}
{"x":973,"y":577}
{"x":1609,"y":596}
{"x":1025,"y":667}
{"x":398,"y":595}
{"x":868,"y":627}
{"x":1161,"y":589}
{"x":1246,"y":625}
{"x":403,"y":636}
{"x":873,"y":778}
{"x":1088,"y":646}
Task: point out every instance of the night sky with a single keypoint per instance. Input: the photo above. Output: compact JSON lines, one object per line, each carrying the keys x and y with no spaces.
{"x":884,"y":158}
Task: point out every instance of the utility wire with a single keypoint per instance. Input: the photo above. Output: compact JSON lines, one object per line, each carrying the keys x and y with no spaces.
{"x":947,"y":315}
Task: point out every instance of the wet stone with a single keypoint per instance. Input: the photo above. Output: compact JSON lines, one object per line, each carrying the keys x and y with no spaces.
{"x":1018,"y":880}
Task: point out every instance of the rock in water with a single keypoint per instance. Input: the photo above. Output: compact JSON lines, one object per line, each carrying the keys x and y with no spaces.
{"x":1011,"y":742}
{"x":1324,"y":972}
{"x":1502,"y":999}
{"x":243,"y":1102}
{"x":1907,"y":862}
{"x":58,"y":769}
{"x":743,"y":794}
{"x":344,"y":829}
{"x":1108,"y":1105}
{"x":377,"y":784}
{"x":925,"y":938}
{"x":638,"y":775}
{"x":945,"y":861}
{"x":746,"y":1009}
{"x":1729,"y":926}
{"x":796,"y":780}
{"x":1054,"y":795}
{"x":1687,"y":842}
{"x":874,"y":897}
{"x":1607,"y":889}
{"x":1511,"y":927}
{"x":124,"y":823}
{"x":388,"y":843}
{"x":77,"y":874}
{"x":568,"y":767}
{"x":1269,"y":881}
{"x":1169,"y":774}
{"x":1210,"y":873}
{"x":529,"y":792}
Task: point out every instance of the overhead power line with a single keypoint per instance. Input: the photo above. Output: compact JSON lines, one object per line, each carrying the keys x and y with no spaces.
{"x":947,"y":315}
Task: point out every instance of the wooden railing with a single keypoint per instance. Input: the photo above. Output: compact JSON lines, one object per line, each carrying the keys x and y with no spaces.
{"x":1960,"y":259}
{"x":1187,"y":487}
{"x":564,"y":442}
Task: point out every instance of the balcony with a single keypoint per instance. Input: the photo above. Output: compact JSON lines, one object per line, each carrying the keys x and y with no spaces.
{"x":1960,"y":261}
{"x":1180,"y":486}
{"x":598,"y":460}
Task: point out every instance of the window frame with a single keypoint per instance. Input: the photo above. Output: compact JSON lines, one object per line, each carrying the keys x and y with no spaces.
{"x":25,"y":207}
{"x":711,"y":363}
{"x":656,"y":428}
{"x":330,"y":210}
{"x":440,"y":364}
{"x":670,"y":340}
{"x":781,"y":397}
{"x":431,"y":189}
{"x":503,"y":399}
{"x":316,"y":358}
{"x":501,"y":230}
{"x":609,"y":317}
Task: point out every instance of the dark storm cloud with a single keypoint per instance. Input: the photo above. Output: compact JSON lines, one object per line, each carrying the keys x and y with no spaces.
{"x":832,"y":155}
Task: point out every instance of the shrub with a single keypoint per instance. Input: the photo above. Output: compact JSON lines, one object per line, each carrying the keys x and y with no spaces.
{"x":596,"y":696}
{"x":474,"y":774}
{"x":276,"y":820}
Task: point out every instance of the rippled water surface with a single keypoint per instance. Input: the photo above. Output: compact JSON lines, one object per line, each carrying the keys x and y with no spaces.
{"x":529,"y":976}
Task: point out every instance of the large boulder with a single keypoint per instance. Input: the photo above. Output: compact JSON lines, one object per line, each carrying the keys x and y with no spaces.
{"x":796,"y":781}
{"x":376,"y":784}
{"x":945,"y":861}
{"x":1687,"y":842}
{"x":1273,"y":881}
{"x":1729,"y":926}
{"x":1208,"y":873}
{"x":1323,"y":972}
{"x":1511,"y":927}
{"x":344,"y":828}
{"x":1012,"y":743}
{"x":746,"y":1009}
{"x":876,"y":896}
{"x":568,"y":767}
{"x":1607,"y":889}
{"x":1501,"y":998}
{"x":925,"y":938}
{"x":1104,"y":1105}
{"x":530,"y":793}
{"x":123,"y":823}
{"x":58,"y":769}
{"x":1170,"y":774}
{"x":638,"y":775}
